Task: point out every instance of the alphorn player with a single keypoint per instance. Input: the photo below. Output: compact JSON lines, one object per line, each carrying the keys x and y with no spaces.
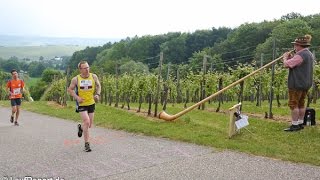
{"x":300,"y":78}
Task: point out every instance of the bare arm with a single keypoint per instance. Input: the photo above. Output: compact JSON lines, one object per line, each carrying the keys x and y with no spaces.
{"x":9,"y":89}
{"x":97,"y":88}
{"x":9,"y":92}
{"x":98,"y":85}
{"x":71,"y":88}
{"x":23,"y":90}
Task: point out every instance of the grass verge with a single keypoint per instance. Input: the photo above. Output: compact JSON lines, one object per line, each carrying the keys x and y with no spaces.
{"x":204,"y":127}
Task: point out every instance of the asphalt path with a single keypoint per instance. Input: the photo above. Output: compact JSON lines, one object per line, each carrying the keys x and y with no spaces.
{"x":44,"y":147}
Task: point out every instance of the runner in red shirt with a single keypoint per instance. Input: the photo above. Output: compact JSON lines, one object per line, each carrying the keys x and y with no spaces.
{"x":15,"y":87}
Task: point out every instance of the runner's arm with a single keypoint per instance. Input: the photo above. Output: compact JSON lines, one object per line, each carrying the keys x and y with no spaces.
{"x":98,"y":85}
{"x":23,"y":90}
{"x":72,"y":87}
{"x":8,"y":89}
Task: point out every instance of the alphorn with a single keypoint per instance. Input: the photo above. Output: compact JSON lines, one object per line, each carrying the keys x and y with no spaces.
{"x":163,"y":115}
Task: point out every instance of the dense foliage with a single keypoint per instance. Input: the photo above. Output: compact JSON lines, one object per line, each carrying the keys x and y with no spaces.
{"x":225,"y":47}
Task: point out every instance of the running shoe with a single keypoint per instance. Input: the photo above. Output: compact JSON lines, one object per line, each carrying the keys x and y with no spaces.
{"x":87,"y":147}
{"x":79,"y":130}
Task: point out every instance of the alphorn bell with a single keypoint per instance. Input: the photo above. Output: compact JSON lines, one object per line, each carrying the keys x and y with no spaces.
{"x":165,"y":116}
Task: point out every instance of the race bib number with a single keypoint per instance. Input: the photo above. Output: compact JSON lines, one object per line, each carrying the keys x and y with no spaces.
{"x":86,"y":84}
{"x":16,"y":91}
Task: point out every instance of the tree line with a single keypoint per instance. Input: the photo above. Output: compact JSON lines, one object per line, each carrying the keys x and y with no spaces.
{"x":226,"y":47}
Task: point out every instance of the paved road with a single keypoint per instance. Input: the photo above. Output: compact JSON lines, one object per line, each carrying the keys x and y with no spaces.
{"x":47,"y":147}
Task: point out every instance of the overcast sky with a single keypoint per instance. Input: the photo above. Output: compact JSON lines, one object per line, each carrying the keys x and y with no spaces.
{"x":127,"y":18}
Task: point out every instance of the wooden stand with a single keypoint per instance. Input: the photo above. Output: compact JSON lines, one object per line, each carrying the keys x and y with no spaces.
{"x":232,"y":125}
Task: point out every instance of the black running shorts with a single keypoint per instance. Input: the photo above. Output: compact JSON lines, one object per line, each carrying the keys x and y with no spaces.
{"x":89,"y":108}
{"x":16,"y":102}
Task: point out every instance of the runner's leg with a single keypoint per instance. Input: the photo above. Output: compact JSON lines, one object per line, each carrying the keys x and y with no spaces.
{"x":91,"y":116}
{"x":17,"y":113}
{"x":13,"y":110}
{"x":85,"y":126}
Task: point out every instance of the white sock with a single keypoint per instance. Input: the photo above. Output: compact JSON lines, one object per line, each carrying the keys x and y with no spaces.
{"x":300,"y":121}
{"x":295,"y":123}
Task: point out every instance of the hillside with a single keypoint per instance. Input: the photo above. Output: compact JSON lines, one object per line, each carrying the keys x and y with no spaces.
{"x":48,"y":47}
{"x":8,"y":40}
{"x":34,"y":52}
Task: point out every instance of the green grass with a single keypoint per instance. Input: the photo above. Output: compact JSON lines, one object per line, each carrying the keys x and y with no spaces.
{"x":262,"y":137}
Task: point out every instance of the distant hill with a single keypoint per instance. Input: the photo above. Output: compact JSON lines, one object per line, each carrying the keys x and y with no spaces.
{"x":48,"y":47}
{"x":6,"y":40}
{"x":34,"y":52}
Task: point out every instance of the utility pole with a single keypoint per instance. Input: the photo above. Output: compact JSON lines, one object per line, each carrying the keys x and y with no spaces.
{"x":272,"y":79}
{"x":164,"y":95}
{"x":158,"y":86}
{"x":203,"y":87}
{"x":260,"y":84}
{"x":179,"y":98}
{"x":117,"y":85}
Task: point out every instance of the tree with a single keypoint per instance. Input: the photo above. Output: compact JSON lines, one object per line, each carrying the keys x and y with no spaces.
{"x":9,"y":65}
{"x":174,"y":49}
{"x":89,"y":54}
{"x":287,"y":31}
{"x":201,"y":39}
{"x":38,"y":89}
{"x":50,"y":75}
{"x":283,"y":34}
{"x":35,"y":69}
{"x":3,"y":79}
{"x":139,"y":48}
{"x":291,"y":16}
{"x":132,"y":67}
{"x":314,"y":22}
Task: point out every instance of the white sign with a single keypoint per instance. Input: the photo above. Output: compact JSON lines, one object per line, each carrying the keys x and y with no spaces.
{"x":243,"y":122}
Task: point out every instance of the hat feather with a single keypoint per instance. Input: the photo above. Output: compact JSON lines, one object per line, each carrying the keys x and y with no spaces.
{"x":308,"y":37}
